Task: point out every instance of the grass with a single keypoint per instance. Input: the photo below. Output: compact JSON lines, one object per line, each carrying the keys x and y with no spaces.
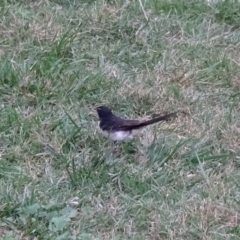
{"x":61,"y":59}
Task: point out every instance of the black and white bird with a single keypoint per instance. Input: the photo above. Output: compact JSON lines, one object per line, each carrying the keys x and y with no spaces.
{"x":119,"y":129}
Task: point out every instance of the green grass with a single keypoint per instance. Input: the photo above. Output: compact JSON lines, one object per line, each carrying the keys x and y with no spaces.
{"x":59,"y":60}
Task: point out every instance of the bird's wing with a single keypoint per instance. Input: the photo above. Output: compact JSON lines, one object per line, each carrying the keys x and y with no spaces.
{"x":117,"y":124}
{"x":123,"y":124}
{"x":127,"y":125}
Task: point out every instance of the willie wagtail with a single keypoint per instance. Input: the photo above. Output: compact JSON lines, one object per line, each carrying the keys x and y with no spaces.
{"x":119,"y":129}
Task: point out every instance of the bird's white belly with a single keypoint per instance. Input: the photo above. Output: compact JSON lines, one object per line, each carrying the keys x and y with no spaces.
{"x":121,"y":135}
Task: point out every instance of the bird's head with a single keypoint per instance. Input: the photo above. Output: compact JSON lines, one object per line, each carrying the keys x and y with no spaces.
{"x":104,"y":112}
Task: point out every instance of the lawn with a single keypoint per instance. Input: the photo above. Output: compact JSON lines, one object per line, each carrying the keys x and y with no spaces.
{"x":61,"y":179}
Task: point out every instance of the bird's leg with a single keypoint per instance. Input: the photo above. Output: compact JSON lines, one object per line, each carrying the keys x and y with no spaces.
{"x":115,"y":149}
{"x":111,"y":148}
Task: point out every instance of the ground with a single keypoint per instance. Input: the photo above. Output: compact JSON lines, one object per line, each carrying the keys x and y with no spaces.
{"x":60,"y":179}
